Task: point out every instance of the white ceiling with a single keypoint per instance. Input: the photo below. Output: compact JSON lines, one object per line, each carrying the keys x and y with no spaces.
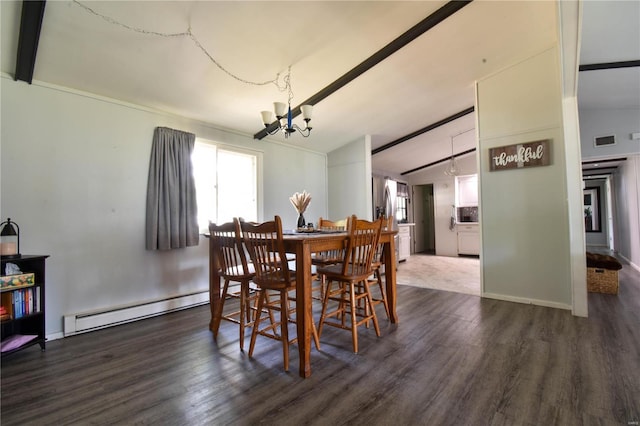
{"x":428,"y":80}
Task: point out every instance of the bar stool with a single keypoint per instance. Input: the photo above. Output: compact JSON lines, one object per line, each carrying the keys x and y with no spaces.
{"x":233,"y":268}
{"x":352,"y":303}
{"x":272,"y":275}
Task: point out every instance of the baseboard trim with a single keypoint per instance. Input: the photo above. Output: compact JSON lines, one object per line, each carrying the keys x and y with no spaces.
{"x":527,"y":301}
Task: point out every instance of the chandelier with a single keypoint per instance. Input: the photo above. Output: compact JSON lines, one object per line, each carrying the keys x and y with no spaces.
{"x":284,"y":116}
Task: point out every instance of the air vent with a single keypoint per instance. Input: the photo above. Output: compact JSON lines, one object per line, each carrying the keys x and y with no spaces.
{"x":604,"y":141}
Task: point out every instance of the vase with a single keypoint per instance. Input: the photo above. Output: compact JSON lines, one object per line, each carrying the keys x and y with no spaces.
{"x":301,"y":222}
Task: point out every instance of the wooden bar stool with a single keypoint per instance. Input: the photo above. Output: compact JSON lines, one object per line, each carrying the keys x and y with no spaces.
{"x":329,"y":257}
{"x":234,"y":269}
{"x":352,"y":304}
{"x":273,"y":276}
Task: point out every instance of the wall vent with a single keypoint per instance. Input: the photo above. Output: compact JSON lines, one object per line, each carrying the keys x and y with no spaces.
{"x":604,"y":140}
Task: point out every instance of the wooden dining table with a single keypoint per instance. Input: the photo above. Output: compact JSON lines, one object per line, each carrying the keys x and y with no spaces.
{"x":303,"y":244}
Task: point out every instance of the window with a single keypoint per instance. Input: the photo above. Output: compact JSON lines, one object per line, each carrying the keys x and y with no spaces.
{"x":226,"y":184}
{"x":402,"y":202}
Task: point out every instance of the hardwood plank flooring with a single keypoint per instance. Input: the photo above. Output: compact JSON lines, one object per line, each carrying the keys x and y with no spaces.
{"x":453,"y":359}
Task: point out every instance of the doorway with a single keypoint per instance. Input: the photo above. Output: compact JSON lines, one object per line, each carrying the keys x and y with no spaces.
{"x":446,"y":271}
{"x":424,"y":216}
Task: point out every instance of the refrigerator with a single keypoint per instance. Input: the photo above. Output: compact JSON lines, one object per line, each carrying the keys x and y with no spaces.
{"x":385,"y":192}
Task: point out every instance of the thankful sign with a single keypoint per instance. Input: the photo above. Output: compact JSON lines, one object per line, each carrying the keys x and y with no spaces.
{"x":531,"y":154}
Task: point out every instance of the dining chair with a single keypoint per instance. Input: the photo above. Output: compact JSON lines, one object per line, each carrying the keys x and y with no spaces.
{"x":377,"y":266}
{"x":351,"y":300}
{"x":273,"y":277}
{"x":236,"y":272}
{"x":328,"y":257}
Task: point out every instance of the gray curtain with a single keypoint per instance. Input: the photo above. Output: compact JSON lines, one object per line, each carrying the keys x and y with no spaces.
{"x":172,"y":211}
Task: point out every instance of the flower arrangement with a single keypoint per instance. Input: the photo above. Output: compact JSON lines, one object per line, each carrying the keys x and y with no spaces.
{"x":300,"y":201}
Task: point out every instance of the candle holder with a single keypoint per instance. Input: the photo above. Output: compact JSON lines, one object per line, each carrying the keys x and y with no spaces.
{"x":9,"y":239}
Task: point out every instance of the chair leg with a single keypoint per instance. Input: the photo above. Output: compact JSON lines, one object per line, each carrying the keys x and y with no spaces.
{"x":248,"y":311}
{"x":272,"y":319}
{"x":383,"y":293}
{"x":369,"y":301}
{"x":284,"y":327}
{"x":256,"y":322}
{"x":244,"y":289}
{"x":354,"y":327}
{"x":325,"y":302}
{"x":223,"y":295}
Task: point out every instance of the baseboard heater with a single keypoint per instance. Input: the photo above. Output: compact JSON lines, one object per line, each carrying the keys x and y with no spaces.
{"x":95,"y":320}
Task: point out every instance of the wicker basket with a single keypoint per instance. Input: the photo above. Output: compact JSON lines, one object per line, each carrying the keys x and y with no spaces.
{"x":601,"y":280}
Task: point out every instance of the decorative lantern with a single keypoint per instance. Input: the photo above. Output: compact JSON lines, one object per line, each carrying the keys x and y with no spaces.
{"x":9,"y":239}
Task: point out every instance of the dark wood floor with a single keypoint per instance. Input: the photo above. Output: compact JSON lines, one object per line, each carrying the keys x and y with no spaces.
{"x":454,"y":359}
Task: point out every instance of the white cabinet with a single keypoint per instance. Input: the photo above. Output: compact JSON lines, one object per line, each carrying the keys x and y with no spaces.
{"x":468,"y":239}
{"x":467,"y":191}
{"x":404,"y":241}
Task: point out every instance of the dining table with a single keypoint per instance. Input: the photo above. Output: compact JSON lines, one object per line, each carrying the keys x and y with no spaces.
{"x":303,"y":245}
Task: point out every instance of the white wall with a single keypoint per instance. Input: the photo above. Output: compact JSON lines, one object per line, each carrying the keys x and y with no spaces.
{"x":74,"y":177}
{"x":288,"y":170}
{"x":524,"y":212}
{"x":349,"y":180}
{"x":627,"y":207}
{"x":621,"y":122}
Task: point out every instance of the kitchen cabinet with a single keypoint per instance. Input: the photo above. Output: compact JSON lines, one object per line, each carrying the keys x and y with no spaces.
{"x":467,"y":191}
{"x":404,"y":241}
{"x":468,"y":239}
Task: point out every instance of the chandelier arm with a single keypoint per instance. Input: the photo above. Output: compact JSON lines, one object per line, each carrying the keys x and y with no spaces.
{"x":302,"y":131}
{"x":271,"y":129}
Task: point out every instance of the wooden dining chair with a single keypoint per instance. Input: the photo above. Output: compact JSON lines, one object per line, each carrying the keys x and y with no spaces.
{"x":328,"y":257}
{"x":236,"y":273}
{"x":377,"y":266}
{"x":351,"y":300}
{"x":266,"y":249}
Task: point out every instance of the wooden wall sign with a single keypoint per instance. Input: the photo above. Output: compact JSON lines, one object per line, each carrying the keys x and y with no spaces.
{"x":518,"y":156}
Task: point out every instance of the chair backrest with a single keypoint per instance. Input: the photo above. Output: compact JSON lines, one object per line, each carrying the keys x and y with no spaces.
{"x":361,"y":246}
{"x":266,"y":248}
{"x":387,"y":225}
{"x":333,"y":225}
{"x":227,"y":243}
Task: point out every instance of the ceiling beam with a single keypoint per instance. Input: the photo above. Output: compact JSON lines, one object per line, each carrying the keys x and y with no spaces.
{"x":609,"y":65}
{"x":407,"y":37}
{"x":460,"y":154}
{"x":30,"y":26}
{"x":598,"y":170}
{"x":423,"y":130}
{"x":609,"y":160}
